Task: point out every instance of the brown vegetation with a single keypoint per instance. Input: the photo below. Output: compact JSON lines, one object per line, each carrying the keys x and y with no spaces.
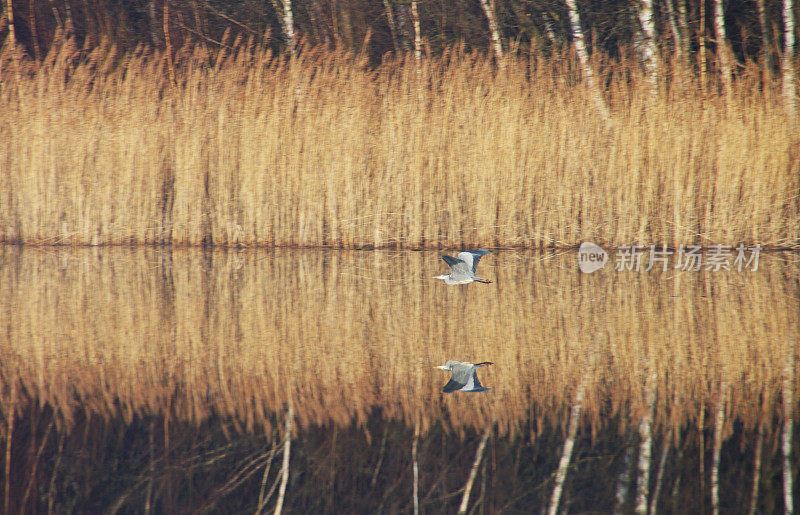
{"x":247,"y":149}
{"x":335,"y":335}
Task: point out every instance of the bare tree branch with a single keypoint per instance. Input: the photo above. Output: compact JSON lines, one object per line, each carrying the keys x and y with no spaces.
{"x":474,"y":472}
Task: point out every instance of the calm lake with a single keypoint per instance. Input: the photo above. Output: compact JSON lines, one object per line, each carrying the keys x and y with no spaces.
{"x":164,"y":380}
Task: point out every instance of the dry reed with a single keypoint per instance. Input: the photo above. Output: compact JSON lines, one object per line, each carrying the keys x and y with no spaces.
{"x":248,"y":149}
{"x":337,"y":334}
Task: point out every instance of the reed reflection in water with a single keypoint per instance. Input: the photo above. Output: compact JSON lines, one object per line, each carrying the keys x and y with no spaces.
{"x":190,"y":336}
{"x":338,"y":333}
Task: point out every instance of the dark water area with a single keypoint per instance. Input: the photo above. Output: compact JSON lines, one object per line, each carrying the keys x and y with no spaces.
{"x":178,"y":381}
{"x":130,"y":466}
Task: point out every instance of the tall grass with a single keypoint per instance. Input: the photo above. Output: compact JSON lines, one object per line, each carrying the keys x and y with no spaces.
{"x":247,"y":149}
{"x":190,"y":334}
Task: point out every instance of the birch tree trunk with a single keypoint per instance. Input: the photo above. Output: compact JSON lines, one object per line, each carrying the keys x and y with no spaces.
{"x":497,"y":46}
{"x":765,"y":44}
{"x":392,"y":25}
{"x":719,"y":420}
{"x":646,"y":446}
{"x":318,"y":22}
{"x":10,"y":415}
{"x":417,"y":31}
{"x":676,"y":486}
{"x":12,"y":38}
{"x":701,"y":420}
{"x":262,"y":499}
{"x":724,"y":57}
{"x":288,"y":27}
{"x":646,"y":46}
{"x":548,"y":29}
{"x":787,"y":63}
{"x":168,"y":42}
{"x":152,"y":13}
{"x":287,"y":447}
{"x":701,"y":52}
{"x":56,"y":16}
{"x":660,"y":476}
{"x":683,"y":27}
{"x":583,"y":56}
{"x":474,"y":471}
{"x":415,"y":467}
{"x":677,"y":36}
{"x":283,"y":9}
{"x":757,"y":468}
{"x":417,"y":49}
{"x":786,"y":437}
{"x":624,"y":478}
{"x":566,"y":455}
{"x":70,"y":23}
{"x":151,"y":447}
{"x":381,"y":454}
{"x":34,"y":35}
{"x":404,"y":23}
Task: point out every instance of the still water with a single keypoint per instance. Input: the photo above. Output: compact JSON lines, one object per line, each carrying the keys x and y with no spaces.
{"x":164,"y":380}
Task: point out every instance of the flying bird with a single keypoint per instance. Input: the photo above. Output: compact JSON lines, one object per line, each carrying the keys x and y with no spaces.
{"x":462,"y":268}
{"x":464,"y":376}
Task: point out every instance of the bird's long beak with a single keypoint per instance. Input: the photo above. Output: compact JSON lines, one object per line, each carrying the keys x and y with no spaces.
{"x":441,"y":367}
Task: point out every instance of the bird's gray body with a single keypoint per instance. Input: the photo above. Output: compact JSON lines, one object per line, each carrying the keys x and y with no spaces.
{"x":464,"y":376}
{"x":463,"y":267}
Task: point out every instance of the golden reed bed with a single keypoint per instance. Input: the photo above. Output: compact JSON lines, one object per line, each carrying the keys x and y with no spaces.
{"x":337,"y":334}
{"x":246,"y":149}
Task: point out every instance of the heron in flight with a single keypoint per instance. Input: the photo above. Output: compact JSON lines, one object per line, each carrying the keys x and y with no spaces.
{"x":464,"y":376}
{"x":462,"y":268}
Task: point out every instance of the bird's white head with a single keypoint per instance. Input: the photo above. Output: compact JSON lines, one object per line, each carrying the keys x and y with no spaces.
{"x":443,"y":367}
{"x":442,"y":277}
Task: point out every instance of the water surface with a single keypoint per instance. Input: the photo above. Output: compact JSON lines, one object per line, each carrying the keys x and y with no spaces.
{"x":230,"y":339}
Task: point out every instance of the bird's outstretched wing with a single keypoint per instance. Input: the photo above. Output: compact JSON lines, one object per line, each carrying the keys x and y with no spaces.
{"x":452,"y":386}
{"x":473,"y":385}
{"x":450,"y":260}
{"x":461,"y":376}
{"x":459,"y":270}
{"x":471,"y":257}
